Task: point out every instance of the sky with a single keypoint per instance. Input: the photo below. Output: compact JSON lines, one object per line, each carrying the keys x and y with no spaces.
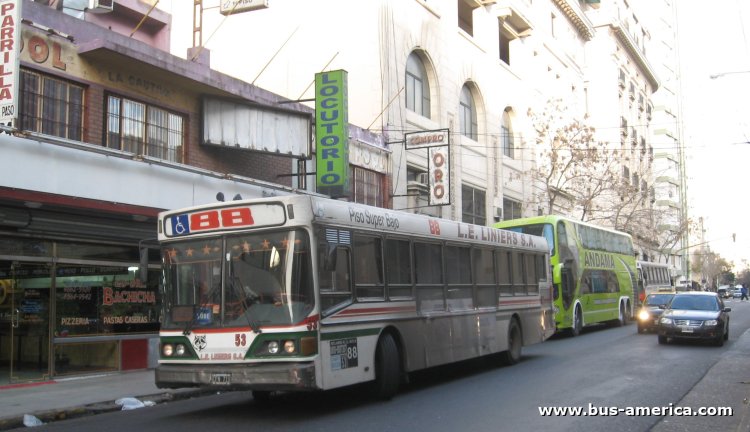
{"x":715,"y":39}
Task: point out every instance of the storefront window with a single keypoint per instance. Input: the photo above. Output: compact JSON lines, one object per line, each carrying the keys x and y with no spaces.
{"x":96,"y":300}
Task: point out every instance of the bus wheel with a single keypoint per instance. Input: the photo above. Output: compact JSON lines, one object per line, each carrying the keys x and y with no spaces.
{"x":387,"y":367}
{"x":261,"y":396}
{"x":515,"y":344}
{"x":623,"y":320}
{"x":577,"y":322}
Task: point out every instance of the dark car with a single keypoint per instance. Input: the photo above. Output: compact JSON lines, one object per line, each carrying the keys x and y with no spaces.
{"x":695,"y":315}
{"x":650,"y":312}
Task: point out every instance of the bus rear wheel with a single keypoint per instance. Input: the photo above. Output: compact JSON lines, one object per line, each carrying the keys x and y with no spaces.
{"x":515,"y":344}
{"x":575,"y":330}
{"x":387,"y":367}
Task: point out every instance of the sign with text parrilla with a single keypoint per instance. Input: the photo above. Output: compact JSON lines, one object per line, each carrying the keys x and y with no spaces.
{"x":10,"y":36}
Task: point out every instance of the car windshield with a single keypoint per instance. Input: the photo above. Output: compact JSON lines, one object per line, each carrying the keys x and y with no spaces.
{"x":658,"y":299}
{"x":694,"y":302}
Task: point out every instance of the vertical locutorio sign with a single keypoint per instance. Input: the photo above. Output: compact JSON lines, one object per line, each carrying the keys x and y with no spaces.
{"x":10,"y":36}
{"x":332,"y":133}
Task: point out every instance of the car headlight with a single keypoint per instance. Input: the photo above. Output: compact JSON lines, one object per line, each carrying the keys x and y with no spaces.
{"x":167,"y":350}
{"x":643,"y":315}
{"x":666,"y":320}
{"x":710,"y":323}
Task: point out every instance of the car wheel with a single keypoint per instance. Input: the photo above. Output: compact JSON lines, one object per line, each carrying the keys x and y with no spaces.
{"x":719,"y":341}
{"x":641,"y":329}
{"x":663,"y":340}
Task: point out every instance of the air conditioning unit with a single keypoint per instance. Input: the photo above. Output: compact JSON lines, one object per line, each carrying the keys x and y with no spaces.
{"x":498,"y":214}
{"x":423,"y":178}
{"x":101,"y":6}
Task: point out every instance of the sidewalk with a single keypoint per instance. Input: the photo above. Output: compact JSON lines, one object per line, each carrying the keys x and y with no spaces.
{"x":74,"y":397}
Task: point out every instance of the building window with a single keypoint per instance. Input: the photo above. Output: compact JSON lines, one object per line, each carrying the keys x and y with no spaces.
{"x":417,"y":86}
{"x":367,"y":187}
{"x":51,"y":106}
{"x":474,"y":210}
{"x":511,"y":209}
{"x":466,"y":15}
{"x":144,"y":129}
{"x":468,"y":114}
{"x":507,"y":137}
{"x":505,"y":37}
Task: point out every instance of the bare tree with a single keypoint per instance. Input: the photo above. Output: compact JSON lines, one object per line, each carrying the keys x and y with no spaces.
{"x":572,"y":170}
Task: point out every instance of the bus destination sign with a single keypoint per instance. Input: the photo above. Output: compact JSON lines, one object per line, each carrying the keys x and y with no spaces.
{"x":224,"y":219}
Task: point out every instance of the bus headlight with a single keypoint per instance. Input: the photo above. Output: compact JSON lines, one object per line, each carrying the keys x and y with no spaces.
{"x":289,"y":347}
{"x":179,"y":350}
{"x":167,"y":350}
{"x":643,"y":315}
{"x":273,"y":347}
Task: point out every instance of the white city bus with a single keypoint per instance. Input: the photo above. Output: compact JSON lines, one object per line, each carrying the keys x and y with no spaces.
{"x":653,"y":278}
{"x":308,"y":293}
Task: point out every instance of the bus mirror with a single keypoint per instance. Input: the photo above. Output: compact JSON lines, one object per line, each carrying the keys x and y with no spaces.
{"x":143,"y":265}
{"x":329,"y":261}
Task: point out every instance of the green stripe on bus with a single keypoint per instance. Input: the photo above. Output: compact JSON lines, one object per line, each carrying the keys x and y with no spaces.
{"x":350,"y":333}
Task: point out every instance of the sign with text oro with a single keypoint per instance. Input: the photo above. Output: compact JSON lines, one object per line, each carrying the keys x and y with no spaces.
{"x":332,"y":133}
{"x":10,"y":37}
{"x":438,"y":147}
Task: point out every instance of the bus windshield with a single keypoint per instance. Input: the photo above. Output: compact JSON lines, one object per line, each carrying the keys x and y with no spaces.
{"x":265,"y":279}
{"x":543,"y":230}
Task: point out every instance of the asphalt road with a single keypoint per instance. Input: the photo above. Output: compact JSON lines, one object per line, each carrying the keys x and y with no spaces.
{"x":603,"y":369}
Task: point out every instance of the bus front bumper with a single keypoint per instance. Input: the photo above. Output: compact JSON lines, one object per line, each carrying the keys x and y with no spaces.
{"x":257,"y":376}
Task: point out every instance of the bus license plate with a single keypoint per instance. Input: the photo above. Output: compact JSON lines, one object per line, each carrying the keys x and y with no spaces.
{"x":221,"y":379}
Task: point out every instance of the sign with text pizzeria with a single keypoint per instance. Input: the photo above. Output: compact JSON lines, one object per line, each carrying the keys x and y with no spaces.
{"x":332,"y":133}
{"x":10,"y":25}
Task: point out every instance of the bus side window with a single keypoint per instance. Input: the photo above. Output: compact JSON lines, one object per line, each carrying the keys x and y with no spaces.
{"x":335,"y":285}
{"x":532,"y":283}
{"x":368,"y":268}
{"x":502,"y":263}
{"x":428,"y":272}
{"x":398,"y":269}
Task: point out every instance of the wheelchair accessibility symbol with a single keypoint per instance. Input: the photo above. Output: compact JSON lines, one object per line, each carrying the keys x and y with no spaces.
{"x":180,"y":225}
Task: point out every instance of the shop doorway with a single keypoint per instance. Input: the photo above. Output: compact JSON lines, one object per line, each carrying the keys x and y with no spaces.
{"x":24,"y":321}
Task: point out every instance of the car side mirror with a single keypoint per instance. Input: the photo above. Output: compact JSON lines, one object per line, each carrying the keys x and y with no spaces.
{"x":727,"y":309}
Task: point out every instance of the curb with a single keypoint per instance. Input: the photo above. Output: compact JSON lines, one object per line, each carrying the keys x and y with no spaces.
{"x":53,"y":415}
